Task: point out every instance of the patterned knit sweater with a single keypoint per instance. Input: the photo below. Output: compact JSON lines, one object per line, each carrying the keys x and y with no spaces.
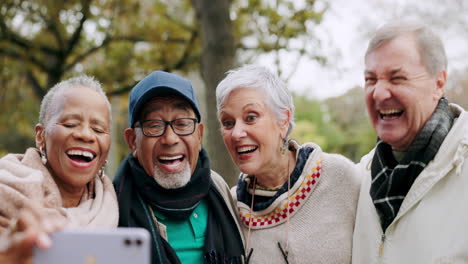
{"x":321,"y":220}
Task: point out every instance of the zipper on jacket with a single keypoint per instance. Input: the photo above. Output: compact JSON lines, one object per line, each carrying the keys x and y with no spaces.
{"x":382,"y":241}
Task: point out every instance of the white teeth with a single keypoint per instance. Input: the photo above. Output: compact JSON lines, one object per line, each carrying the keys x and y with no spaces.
{"x":390,"y":111}
{"x":81,"y":153}
{"x":170,"y":158}
{"x":247,"y":148}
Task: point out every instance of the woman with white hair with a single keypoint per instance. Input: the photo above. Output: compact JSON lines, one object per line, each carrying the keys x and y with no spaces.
{"x":60,"y":182}
{"x":297,"y":203}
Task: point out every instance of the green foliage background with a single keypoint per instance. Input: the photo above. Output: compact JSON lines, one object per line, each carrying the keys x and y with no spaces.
{"x":120,"y":41}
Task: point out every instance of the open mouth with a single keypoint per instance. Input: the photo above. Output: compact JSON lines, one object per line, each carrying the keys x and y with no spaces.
{"x":390,"y":114}
{"x":168,"y":160}
{"x":246,"y":149}
{"x":80,"y":155}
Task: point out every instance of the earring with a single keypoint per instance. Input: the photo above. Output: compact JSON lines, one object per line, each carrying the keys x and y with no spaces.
{"x":103,"y":168}
{"x":43,"y":156}
{"x":284,"y":146}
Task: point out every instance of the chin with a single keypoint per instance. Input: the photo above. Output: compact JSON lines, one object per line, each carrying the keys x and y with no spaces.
{"x":247,"y":170}
{"x":172,"y":180}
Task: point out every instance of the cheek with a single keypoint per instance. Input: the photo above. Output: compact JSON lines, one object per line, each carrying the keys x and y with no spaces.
{"x":105,"y":144}
{"x":368,"y":98}
{"x":52,"y":140}
{"x":370,"y":107}
{"x":226,"y":137}
{"x":144,"y":150}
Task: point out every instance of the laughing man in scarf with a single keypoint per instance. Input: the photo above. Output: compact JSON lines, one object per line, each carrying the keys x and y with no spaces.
{"x":165,"y":184}
{"x":412,"y":204}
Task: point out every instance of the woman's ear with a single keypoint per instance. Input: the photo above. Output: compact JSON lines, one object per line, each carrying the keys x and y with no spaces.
{"x":40,"y":136}
{"x":284,"y":124}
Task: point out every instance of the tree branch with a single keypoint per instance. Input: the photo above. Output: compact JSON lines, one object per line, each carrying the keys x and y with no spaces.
{"x":28,"y":56}
{"x":74,"y":39}
{"x":179,"y":23}
{"x":105,"y":42}
{"x":52,"y":27}
{"x":121,"y":90}
{"x":39,"y":91}
{"x":20,"y":42}
{"x":184,"y":59}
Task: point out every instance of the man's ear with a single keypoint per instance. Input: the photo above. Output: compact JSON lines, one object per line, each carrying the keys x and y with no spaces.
{"x":200,"y":133}
{"x":130,"y":138}
{"x":441,"y":80}
{"x":40,"y":136}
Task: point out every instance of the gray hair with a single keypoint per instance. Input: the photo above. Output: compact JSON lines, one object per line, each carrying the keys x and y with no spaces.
{"x":277,"y":95}
{"x":46,"y":112}
{"x":431,"y":48}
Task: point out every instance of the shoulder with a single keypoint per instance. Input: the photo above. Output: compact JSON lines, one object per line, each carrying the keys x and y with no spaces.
{"x":366,"y":160}
{"x":329,"y":161}
{"x":220,"y":184}
{"x":22,"y":165}
{"x":234,"y":192}
{"x":334,"y":167}
{"x":11,"y":158}
{"x":340,"y":168}
{"x":217,"y":179}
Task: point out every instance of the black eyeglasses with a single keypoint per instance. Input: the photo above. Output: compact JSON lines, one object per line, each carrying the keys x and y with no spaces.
{"x":156,"y":127}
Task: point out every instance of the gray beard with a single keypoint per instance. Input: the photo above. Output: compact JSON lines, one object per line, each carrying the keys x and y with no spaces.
{"x":172,"y":180}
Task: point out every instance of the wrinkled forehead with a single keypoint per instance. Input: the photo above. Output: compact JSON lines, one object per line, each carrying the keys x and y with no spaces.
{"x":171,"y":102}
{"x":71,"y":94}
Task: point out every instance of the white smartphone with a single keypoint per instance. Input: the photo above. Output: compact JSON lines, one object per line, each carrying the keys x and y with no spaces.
{"x":79,"y":246}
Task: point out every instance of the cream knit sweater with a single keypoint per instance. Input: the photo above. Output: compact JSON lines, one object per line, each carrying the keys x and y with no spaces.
{"x":321,"y":222}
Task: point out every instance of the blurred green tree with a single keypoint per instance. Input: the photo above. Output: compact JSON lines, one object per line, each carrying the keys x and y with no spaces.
{"x":338,"y":124}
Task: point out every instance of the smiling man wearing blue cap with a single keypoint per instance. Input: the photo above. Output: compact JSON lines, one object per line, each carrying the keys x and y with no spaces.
{"x":166,"y":185}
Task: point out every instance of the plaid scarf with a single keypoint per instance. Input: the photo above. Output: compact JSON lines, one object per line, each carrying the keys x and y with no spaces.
{"x":392,"y":180}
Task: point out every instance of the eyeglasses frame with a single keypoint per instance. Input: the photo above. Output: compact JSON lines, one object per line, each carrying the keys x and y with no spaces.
{"x":166,"y":123}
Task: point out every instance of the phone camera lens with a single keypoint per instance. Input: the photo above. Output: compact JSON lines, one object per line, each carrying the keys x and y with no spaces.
{"x":127,"y":242}
{"x":138,"y":242}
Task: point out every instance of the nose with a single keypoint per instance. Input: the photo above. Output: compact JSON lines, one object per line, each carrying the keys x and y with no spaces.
{"x":381,"y":91}
{"x":169,"y":137}
{"x":84,"y":133}
{"x":238,"y":131}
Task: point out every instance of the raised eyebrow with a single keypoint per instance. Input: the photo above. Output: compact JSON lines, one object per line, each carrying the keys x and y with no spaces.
{"x":399,"y":70}
{"x":250,"y":105}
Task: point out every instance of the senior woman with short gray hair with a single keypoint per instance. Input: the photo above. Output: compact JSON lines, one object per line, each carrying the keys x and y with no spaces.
{"x":297,"y":203}
{"x":61,"y":182}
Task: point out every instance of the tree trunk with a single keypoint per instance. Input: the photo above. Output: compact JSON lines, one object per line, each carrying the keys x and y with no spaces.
{"x":218,"y":56}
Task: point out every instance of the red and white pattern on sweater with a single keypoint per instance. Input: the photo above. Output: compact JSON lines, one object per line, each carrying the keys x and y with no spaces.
{"x":296,"y":200}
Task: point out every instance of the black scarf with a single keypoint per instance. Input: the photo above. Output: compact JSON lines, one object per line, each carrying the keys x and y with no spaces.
{"x":136,"y":190}
{"x":392,"y":180}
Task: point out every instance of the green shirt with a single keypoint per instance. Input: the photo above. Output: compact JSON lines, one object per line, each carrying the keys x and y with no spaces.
{"x":187,"y":237}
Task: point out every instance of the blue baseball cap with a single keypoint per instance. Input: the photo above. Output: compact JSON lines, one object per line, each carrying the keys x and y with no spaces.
{"x":159,"y":83}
